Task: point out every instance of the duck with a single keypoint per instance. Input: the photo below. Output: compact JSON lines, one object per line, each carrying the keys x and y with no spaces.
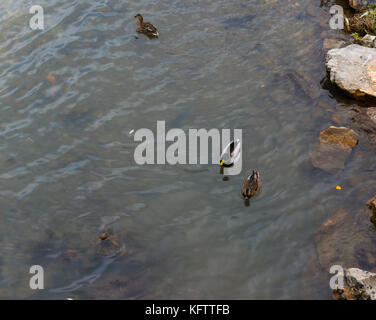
{"x":146,"y":27}
{"x":252,"y":185}
{"x":230,"y":154}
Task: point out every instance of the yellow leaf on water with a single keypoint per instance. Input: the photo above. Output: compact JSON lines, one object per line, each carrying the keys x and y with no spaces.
{"x":51,"y":79}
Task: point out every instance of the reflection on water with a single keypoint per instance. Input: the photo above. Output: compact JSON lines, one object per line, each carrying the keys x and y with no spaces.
{"x":70,"y":95}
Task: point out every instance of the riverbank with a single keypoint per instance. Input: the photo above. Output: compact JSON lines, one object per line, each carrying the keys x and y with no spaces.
{"x":351,"y":67}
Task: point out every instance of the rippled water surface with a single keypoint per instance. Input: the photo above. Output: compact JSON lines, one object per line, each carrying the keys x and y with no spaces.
{"x":70,"y":96}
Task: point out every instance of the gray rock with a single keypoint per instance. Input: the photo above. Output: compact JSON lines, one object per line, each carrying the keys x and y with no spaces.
{"x":353,"y":69}
{"x":358,"y":285}
{"x":369,"y":41}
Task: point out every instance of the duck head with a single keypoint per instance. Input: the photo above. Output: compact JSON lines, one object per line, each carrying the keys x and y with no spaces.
{"x":255,"y":176}
{"x":230,"y":154}
{"x":139,"y":17}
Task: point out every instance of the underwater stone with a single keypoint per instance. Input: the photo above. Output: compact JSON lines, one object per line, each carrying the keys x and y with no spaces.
{"x":333,"y":149}
{"x":360,"y":4}
{"x":371,"y":204}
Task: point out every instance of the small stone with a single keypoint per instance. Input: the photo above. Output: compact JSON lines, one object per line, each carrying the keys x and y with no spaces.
{"x":107,"y":244}
{"x":369,"y":41}
{"x":371,"y":113}
{"x":337,"y":118}
{"x":371,"y":204}
{"x":332,"y":44}
{"x":103,"y":236}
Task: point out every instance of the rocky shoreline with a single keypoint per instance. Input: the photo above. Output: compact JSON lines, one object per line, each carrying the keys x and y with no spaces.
{"x":351,"y":66}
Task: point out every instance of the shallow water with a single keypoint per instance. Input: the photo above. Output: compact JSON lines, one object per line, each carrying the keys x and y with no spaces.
{"x":67,"y":170}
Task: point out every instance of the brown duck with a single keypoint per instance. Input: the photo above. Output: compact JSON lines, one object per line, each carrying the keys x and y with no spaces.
{"x":146,"y":27}
{"x":251,"y":185}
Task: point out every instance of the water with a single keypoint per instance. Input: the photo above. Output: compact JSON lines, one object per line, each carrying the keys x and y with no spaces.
{"x":70,"y":95}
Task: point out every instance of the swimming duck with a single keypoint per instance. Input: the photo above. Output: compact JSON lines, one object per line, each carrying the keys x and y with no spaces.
{"x":251,"y":185}
{"x":230,"y":154}
{"x":146,"y":27}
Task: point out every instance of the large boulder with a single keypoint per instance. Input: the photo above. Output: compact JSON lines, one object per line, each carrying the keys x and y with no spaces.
{"x":357,"y":285}
{"x":360,"y":4}
{"x":353,"y":69}
{"x":333,"y":148}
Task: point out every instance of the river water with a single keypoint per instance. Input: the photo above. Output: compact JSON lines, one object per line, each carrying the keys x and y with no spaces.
{"x":70,"y":96}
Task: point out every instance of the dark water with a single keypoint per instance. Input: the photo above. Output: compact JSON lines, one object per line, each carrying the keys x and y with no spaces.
{"x":70,"y":96}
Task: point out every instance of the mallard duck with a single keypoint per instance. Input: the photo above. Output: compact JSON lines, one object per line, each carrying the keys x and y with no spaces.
{"x":146,"y":27}
{"x":251,"y":185}
{"x":230,"y":154}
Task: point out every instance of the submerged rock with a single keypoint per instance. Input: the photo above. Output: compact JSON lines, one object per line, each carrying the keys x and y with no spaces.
{"x":108,"y":244}
{"x":332,"y":44}
{"x":371,"y":113}
{"x":341,"y":241}
{"x":360,"y":4}
{"x":358,"y":285}
{"x":330,"y":158}
{"x":333,"y":149}
{"x":365,"y":120}
{"x":329,"y":241}
{"x":353,"y":69}
{"x":371,"y":204}
{"x":305,"y":83}
{"x":339,"y":135}
{"x":366,"y":219}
